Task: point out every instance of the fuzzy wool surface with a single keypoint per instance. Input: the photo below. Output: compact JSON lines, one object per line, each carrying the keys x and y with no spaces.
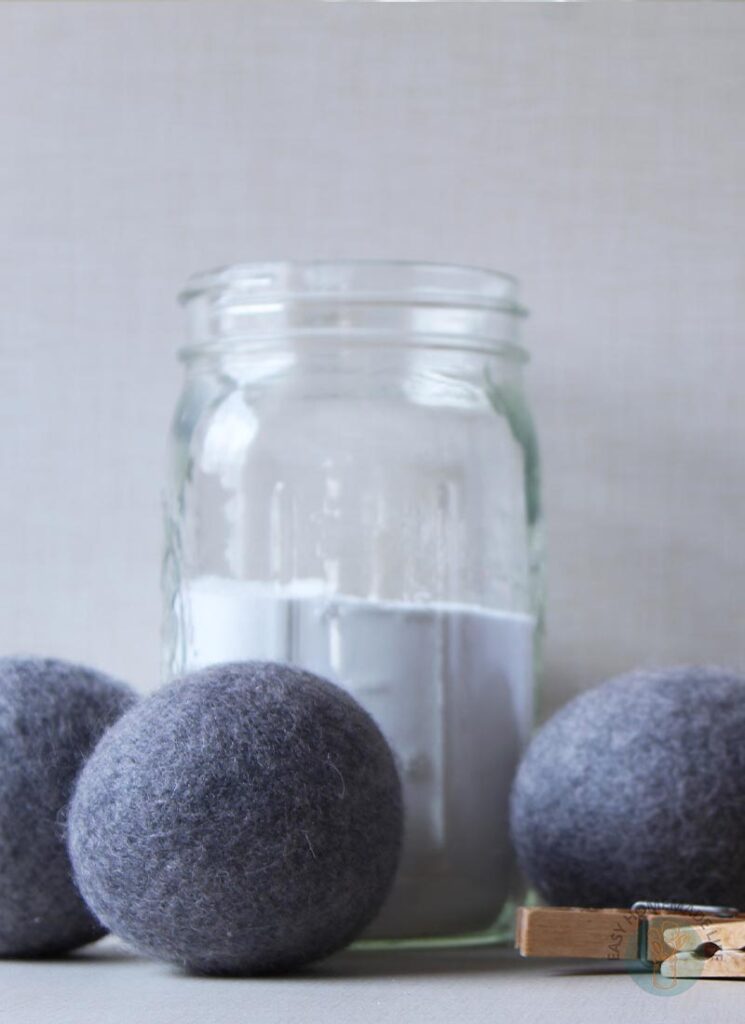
{"x":52,"y":714}
{"x":245,"y":819}
{"x":635,"y":790}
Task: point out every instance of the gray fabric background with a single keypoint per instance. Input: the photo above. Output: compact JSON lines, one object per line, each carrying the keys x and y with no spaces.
{"x":596,"y":151}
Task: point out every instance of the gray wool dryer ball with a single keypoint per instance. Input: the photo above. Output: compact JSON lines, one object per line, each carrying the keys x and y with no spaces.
{"x":52,"y":714}
{"x":244,"y":819}
{"x":635,"y":790}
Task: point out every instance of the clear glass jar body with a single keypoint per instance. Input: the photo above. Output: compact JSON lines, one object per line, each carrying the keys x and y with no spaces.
{"x":354,"y":489}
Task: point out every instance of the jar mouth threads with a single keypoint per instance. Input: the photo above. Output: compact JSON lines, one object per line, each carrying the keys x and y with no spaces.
{"x":418,"y":302}
{"x":382,"y":280}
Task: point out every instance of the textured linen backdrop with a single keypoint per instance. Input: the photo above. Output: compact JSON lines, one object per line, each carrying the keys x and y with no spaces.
{"x":597,"y":151}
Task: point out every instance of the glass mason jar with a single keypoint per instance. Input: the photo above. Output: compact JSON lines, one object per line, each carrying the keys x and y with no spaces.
{"x":354,"y":489}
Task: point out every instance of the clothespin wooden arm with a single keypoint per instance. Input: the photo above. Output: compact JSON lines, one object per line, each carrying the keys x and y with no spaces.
{"x":686,"y":940}
{"x":607,"y":934}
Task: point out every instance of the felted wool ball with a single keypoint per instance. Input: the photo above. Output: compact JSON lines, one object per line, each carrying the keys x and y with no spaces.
{"x":244,"y":819}
{"x":51,"y":716}
{"x":635,"y":790}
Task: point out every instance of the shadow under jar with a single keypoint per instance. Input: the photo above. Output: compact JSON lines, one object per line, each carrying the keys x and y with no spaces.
{"x":354,"y":490}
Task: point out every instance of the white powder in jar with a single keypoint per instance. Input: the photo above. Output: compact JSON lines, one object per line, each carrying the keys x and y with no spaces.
{"x":450,"y":686}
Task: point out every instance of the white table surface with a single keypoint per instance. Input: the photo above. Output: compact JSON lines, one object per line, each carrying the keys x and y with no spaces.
{"x":107,"y":984}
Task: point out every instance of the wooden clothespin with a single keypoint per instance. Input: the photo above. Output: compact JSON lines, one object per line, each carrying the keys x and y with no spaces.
{"x":679,"y":940}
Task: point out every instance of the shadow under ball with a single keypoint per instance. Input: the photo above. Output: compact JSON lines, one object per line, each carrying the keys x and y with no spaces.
{"x":635,"y":790}
{"x":245,"y":819}
{"x":52,"y":714}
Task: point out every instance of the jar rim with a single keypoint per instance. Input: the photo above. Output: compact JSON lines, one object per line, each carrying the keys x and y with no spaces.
{"x":360,"y":280}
